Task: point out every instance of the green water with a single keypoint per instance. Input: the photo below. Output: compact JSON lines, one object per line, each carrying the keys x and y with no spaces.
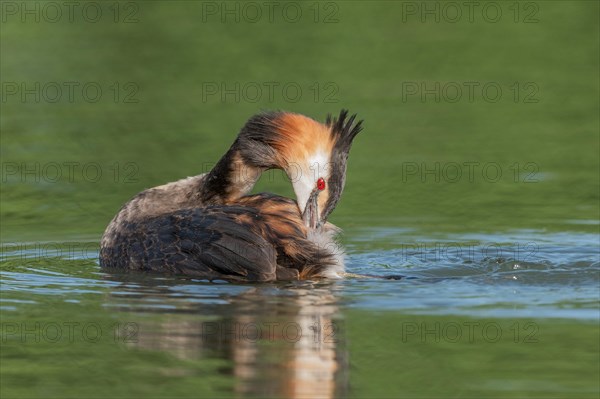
{"x":487,"y":201}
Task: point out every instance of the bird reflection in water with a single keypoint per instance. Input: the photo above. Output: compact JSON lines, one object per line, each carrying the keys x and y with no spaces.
{"x":280,"y":341}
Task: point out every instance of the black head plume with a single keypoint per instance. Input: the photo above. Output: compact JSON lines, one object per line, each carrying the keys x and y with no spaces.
{"x":344,"y":129}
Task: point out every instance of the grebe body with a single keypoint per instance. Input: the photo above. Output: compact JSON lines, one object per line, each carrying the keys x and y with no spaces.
{"x":208,"y":227}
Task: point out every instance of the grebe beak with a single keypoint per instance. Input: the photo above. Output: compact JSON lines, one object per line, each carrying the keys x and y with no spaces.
{"x":311,"y":211}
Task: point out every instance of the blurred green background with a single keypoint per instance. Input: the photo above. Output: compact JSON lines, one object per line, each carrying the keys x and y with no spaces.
{"x":179,"y":79}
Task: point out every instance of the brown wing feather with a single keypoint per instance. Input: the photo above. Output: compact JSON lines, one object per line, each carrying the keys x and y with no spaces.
{"x":209,"y":243}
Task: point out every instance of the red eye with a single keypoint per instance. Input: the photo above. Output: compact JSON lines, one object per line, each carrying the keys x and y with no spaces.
{"x":321,"y":184}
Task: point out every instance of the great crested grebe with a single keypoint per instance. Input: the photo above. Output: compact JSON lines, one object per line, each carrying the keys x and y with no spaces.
{"x":207,"y":226}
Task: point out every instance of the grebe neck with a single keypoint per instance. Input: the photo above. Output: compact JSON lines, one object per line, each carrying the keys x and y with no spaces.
{"x":231,"y":178}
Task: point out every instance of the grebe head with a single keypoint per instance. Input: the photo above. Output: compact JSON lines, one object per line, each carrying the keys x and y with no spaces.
{"x":313,"y":155}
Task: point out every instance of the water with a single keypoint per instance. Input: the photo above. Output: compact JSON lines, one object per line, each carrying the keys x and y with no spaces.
{"x":488,"y":307}
{"x":488,"y":210}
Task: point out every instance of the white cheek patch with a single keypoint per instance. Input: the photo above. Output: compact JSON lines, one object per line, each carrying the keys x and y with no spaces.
{"x":319,"y":166}
{"x":304,"y":176}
